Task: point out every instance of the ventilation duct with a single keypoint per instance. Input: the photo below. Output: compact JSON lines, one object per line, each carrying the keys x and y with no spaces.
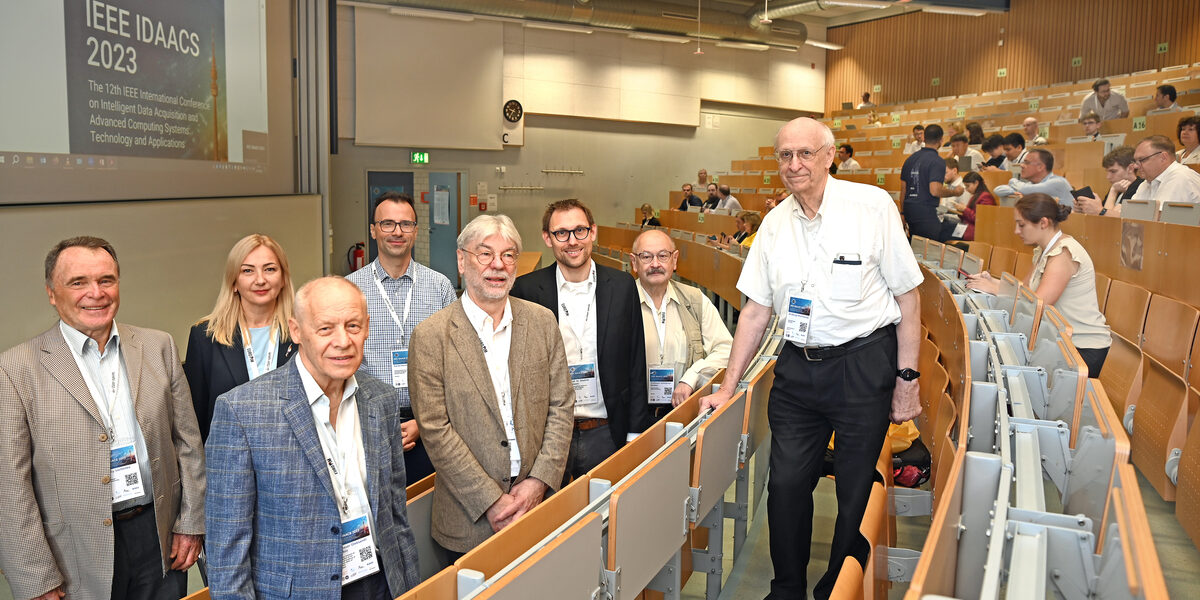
{"x":624,"y":15}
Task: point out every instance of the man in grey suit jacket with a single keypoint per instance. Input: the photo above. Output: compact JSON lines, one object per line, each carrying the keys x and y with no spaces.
{"x":105,"y":493}
{"x":491,"y":393}
{"x":306,"y":469}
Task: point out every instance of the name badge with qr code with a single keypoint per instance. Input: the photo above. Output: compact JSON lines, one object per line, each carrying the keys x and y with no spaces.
{"x":662,"y":384}
{"x":799,"y":319}
{"x":359,"y":558}
{"x":586,"y":384}
{"x":126,"y":476}
{"x":400,"y":368}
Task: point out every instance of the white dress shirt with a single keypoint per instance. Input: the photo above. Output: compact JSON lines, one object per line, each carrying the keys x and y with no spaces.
{"x":107,"y":380}
{"x":577,"y":323}
{"x":792,"y":250}
{"x":666,"y":338}
{"x":496,"y":339}
{"x":850,"y":165}
{"x":342,"y":447}
{"x":1175,"y":184}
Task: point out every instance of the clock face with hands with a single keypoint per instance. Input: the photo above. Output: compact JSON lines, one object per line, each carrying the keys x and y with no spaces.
{"x":513,"y":111}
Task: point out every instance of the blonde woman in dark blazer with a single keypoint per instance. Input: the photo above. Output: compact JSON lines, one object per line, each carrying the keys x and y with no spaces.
{"x":246,"y":334}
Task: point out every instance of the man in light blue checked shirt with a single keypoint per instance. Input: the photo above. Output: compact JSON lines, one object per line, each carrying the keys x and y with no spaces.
{"x":400,"y":293}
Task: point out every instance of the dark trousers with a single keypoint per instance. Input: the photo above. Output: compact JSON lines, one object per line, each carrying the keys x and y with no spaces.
{"x":848,"y":395}
{"x":923,"y":221}
{"x":1094,"y":359}
{"x":588,"y":448}
{"x":417,"y":465}
{"x":137,"y":562}
{"x":372,"y":587}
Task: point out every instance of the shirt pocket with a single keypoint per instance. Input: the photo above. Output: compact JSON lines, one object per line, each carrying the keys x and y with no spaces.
{"x":846,"y":278}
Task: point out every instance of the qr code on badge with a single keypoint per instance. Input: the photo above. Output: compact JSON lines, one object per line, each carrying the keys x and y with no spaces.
{"x":131,"y":479}
{"x":364,"y":554}
{"x":802,"y":326}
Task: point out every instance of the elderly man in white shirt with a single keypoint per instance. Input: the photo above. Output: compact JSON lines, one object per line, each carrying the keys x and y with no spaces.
{"x":1104,"y":102}
{"x":1166,"y":180}
{"x":833,"y":261}
{"x":686,"y":341}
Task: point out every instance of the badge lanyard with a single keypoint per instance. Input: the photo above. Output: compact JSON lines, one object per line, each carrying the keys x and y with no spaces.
{"x":586,"y":314}
{"x":108,"y":402}
{"x":660,"y":326}
{"x":388,"y":303}
{"x":1049,"y":246}
{"x":809,"y":246}
{"x":268,"y":362}
{"x":340,"y":468}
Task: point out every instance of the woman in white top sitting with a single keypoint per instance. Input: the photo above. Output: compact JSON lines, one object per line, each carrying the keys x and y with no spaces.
{"x":1062,"y":275}
{"x":1189,"y":136}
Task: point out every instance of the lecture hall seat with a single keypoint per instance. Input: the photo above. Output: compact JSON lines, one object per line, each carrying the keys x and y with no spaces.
{"x":1159,"y":424}
{"x":1126,"y":309}
{"x":1169,"y":332}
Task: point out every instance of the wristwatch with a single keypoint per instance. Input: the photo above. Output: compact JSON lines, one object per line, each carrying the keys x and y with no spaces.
{"x":908,"y":374}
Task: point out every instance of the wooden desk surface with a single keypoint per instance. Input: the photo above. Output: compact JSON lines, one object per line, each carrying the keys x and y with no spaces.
{"x":528,"y":261}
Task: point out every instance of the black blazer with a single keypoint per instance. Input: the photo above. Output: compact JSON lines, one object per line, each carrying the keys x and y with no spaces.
{"x":213,"y":369}
{"x":620,"y":343}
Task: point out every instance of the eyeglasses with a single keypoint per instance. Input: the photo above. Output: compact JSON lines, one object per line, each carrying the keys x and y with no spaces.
{"x":1143,"y":159}
{"x":388,"y":225}
{"x":485,"y":257}
{"x":647,"y":258}
{"x":806,"y":156}
{"x":564,"y":235}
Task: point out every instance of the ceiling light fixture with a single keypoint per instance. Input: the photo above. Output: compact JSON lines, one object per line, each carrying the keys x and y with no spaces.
{"x":825,"y":45}
{"x":655,"y":37}
{"x":430,"y":14}
{"x":766,"y":17}
{"x":857,"y":3}
{"x":698,"y":50}
{"x":558,"y":27}
{"x":954,"y":10}
{"x":744,"y":46}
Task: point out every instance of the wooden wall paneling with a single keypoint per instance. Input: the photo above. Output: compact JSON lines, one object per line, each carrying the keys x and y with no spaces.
{"x":903,"y":53}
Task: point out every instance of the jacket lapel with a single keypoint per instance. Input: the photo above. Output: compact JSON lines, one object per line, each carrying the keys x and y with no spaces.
{"x":57,"y":359}
{"x":299,"y":415}
{"x":372,"y":441}
{"x":235,"y":358}
{"x":516,"y":359}
{"x":549,"y":288}
{"x":603,"y":308}
{"x":131,"y":354}
{"x":470,"y":351}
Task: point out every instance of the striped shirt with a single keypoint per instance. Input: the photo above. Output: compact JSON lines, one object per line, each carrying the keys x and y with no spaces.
{"x":431,"y":292}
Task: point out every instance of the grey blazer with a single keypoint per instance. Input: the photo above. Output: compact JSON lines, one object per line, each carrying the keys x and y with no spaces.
{"x":57,"y":497}
{"x":274,"y":528}
{"x":459,"y":415}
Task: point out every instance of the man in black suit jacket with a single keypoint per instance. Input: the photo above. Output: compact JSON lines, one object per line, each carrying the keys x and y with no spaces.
{"x":600,"y":320}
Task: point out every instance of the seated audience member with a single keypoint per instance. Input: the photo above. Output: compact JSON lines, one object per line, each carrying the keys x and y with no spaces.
{"x":924,"y":175}
{"x":1037,"y":176}
{"x":1091,"y":125}
{"x":954,"y":184}
{"x":952,"y":129}
{"x":246,"y":334}
{"x":1014,"y":151}
{"x":747,"y":223}
{"x":975,"y":135}
{"x":1063,"y":275}
{"x":1032,"y":132}
{"x":960,"y":149}
{"x":723,"y":240}
{"x":846,"y":162}
{"x":713,"y":199}
{"x":917,"y":141}
{"x":1166,"y":179}
{"x":648,"y":218}
{"x":1104,"y":102}
{"x":1186,"y":133}
{"x":725,"y":201}
{"x":686,"y":339}
{"x":689,"y":199}
{"x":1164,"y":100}
{"x":993,"y":151}
{"x":271,"y":496}
{"x":778,"y":196}
{"x":752,"y":222}
{"x":866,"y":101}
{"x":980,"y":196}
{"x":1121,"y":172}
{"x":702,"y":179}
{"x":492,"y":393}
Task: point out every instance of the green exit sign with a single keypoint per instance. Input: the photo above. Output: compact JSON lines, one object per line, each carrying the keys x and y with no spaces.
{"x":419,"y":158}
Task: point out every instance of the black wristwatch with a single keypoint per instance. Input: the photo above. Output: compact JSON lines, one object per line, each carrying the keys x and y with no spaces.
{"x":908,"y":374}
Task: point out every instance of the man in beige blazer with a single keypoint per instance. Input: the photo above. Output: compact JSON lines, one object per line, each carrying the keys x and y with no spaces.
{"x":491,"y":393}
{"x":105,"y":493}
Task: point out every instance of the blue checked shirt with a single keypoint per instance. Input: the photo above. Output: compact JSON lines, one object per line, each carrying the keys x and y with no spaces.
{"x":432,"y":293}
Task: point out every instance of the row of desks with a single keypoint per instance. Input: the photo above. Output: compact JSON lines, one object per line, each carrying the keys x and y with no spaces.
{"x":706,"y":266}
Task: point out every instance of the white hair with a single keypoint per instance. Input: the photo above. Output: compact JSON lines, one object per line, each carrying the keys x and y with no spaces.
{"x":485,"y":226}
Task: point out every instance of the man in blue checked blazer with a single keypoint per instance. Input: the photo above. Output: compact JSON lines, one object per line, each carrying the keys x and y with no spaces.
{"x":305,"y":472}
